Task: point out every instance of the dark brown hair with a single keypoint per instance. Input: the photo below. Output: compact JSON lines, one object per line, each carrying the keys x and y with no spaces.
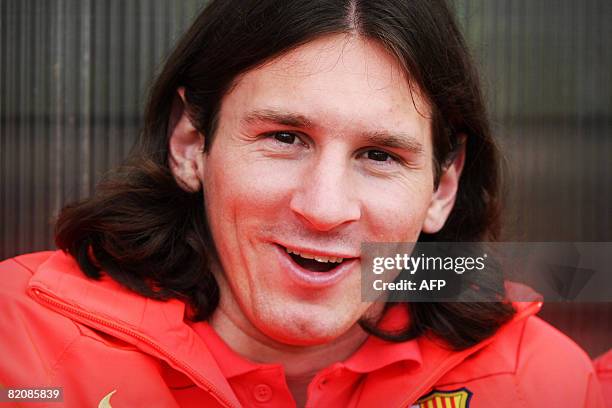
{"x":146,"y":232}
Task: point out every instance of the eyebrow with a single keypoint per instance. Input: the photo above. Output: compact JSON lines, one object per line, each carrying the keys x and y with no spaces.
{"x":381,"y":138}
{"x":395,"y":141}
{"x":275,"y":116}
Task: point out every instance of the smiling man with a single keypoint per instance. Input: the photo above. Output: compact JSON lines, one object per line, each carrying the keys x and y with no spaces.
{"x":221,"y":265}
{"x":315,"y":152}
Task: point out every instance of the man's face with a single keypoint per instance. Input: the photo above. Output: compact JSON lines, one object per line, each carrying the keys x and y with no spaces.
{"x":316,"y":152}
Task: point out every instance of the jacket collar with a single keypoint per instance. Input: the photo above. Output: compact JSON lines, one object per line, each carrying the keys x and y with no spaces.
{"x":374,"y":354}
{"x":158,"y":328}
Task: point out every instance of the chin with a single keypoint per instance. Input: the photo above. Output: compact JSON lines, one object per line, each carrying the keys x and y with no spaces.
{"x":302,"y":330}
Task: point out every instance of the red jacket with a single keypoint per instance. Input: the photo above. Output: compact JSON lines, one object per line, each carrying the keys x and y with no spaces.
{"x":102,"y":343}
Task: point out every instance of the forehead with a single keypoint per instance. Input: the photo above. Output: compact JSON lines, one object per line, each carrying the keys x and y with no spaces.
{"x":337,"y":81}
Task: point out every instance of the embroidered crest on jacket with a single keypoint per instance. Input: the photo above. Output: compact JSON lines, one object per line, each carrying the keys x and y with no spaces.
{"x":445,"y":399}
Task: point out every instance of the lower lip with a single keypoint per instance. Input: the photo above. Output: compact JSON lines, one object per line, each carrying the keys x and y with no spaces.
{"x":309,"y":279}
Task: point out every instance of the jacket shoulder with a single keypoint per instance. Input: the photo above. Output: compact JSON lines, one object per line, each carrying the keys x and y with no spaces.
{"x":543,"y":343}
{"x":551,"y":367}
{"x":532,"y":364}
{"x":15,"y":274}
{"x":32,"y":335}
{"x":24,"y":264}
{"x":33,"y":260}
{"x":529,"y":346}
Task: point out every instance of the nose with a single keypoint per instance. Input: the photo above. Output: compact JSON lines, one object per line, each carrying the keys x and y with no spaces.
{"x":325,"y":198}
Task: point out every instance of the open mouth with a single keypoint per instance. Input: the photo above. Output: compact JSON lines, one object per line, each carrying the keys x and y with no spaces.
{"x":314,"y":263}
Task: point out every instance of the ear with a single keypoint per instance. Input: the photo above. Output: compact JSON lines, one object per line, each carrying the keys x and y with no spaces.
{"x":443,"y":199}
{"x":186,"y":146}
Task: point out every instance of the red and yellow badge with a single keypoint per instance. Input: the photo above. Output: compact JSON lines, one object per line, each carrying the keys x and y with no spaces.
{"x":445,"y":399}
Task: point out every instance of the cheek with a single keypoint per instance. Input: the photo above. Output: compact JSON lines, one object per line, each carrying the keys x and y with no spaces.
{"x":247,"y":189}
{"x":397,"y":210}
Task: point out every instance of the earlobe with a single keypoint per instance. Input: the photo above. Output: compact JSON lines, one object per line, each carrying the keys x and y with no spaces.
{"x":185,"y":146}
{"x":443,"y":199}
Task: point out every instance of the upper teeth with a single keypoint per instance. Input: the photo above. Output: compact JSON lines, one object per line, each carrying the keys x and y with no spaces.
{"x":316,"y":257}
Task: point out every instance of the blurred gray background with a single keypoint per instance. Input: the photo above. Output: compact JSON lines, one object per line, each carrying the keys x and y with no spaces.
{"x":74,"y":76}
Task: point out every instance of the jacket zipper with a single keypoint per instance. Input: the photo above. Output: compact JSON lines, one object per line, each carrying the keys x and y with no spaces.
{"x":54,"y":303}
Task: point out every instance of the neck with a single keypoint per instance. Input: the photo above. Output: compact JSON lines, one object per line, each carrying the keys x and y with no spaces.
{"x":300,"y":363}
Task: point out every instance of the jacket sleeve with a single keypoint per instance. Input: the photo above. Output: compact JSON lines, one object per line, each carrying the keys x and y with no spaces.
{"x":603,"y":367}
{"x":594,"y":396}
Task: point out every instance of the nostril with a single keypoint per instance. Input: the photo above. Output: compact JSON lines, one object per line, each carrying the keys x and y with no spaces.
{"x":327,"y":216}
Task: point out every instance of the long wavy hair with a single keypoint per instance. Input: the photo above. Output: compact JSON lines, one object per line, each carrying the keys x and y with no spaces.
{"x":152,"y":236}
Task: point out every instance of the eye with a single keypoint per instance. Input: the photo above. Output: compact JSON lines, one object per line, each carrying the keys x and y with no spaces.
{"x":378,"y":155}
{"x":284,"y":137}
{"x":285,"y":141}
{"x":380,"y":160}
